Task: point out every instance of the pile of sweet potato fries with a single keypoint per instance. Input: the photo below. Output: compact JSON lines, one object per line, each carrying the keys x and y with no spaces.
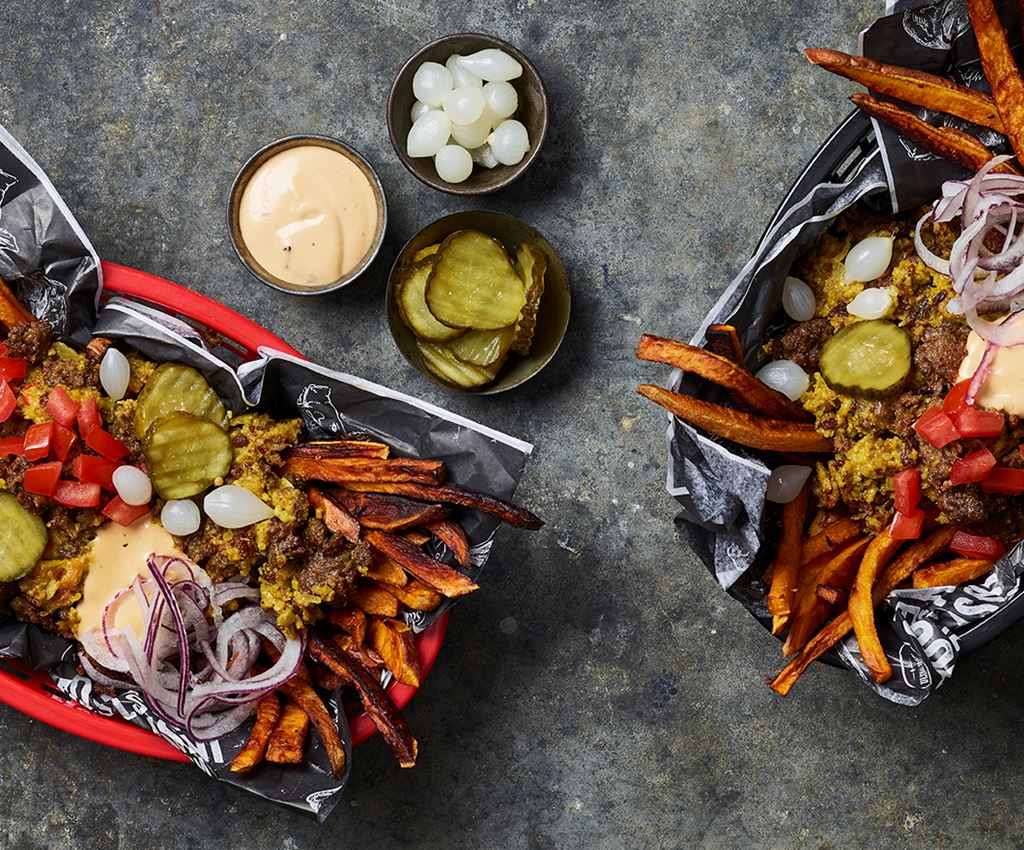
{"x":827,"y":576}
{"x":1003,"y":111}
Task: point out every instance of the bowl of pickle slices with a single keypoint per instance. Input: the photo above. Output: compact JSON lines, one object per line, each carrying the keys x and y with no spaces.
{"x":478,"y":301}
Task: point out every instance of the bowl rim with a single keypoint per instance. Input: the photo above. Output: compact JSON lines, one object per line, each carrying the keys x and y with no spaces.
{"x":515,"y":171}
{"x":242,"y":179}
{"x":487,"y":389}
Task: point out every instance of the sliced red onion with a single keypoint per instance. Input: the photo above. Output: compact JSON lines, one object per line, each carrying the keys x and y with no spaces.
{"x":984,"y":367}
{"x":931,"y":259}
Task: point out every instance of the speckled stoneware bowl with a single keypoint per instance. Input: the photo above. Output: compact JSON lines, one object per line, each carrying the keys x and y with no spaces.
{"x":238,"y":189}
{"x":532,"y":112}
{"x":552,"y":315}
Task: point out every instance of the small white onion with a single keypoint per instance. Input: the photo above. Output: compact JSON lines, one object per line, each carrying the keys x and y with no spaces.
{"x":429,"y":134}
{"x":419,"y":109}
{"x":453,"y":163}
{"x":491,"y":64}
{"x":483,"y":156}
{"x":461,"y":76}
{"x":786,"y":377}
{"x":231,"y":506}
{"x":868,"y":259}
{"x":431,"y":82}
{"x":875,"y":303}
{"x":132,"y":485}
{"x":181,"y":517}
{"x":501,"y":98}
{"x":473,"y":135}
{"x":798,"y":300}
{"x":786,"y":482}
{"x":510,"y":141}
{"x":464,"y":105}
{"x":115,"y":373}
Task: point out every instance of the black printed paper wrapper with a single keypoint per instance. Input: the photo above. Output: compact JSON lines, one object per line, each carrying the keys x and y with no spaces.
{"x":721,"y":487}
{"x":38,"y":232}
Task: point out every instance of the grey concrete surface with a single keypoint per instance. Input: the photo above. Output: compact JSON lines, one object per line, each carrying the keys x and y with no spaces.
{"x":600,"y":691}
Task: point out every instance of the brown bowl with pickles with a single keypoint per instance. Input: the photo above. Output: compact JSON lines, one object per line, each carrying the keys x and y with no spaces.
{"x":478,"y":301}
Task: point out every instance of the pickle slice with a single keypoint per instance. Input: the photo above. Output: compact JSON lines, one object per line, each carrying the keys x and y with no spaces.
{"x":473,"y":284}
{"x":423,"y":253}
{"x":23,"y":538}
{"x":483,"y":348}
{"x":412,"y":305}
{"x":531,"y":264}
{"x":440,"y":360}
{"x":185,"y":454}
{"x":868,"y":359}
{"x":175,"y":387}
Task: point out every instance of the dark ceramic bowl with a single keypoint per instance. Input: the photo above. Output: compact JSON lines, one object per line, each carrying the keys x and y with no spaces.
{"x":238,"y":189}
{"x":532,"y":112}
{"x":552,"y":314}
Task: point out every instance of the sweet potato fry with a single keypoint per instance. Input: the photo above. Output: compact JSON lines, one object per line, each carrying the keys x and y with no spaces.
{"x":416,"y":596}
{"x":450,"y":494}
{"x":439,"y":576}
{"x":351,"y":620}
{"x":880,"y":551}
{"x":381,"y":709}
{"x":832,"y":595}
{"x":268,"y":710}
{"x":375,"y":600}
{"x":288,"y":740}
{"x":917,"y":87}
{"x":822,"y":520}
{"x":829,"y":539}
{"x":451,"y":535}
{"x":948,"y":142}
{"x":894,"y":575}
{"x":12,"y":313}
{"x":335,"y":517}
{"x":387,"y":571}
{"x":725,"y":342}
{"x":340,"y":470}
{"x":393,"y":641}
{"x":417,"y":537}
{"x":387,"y":512}
{"x":1000,"y":69}
{"x":785,"y":570}
{"x":720,"y":371}
{"x":300,"y":692}
{"x":321,"y":449}
{"x":757,"y":432}
{"x":365,"y":655}
{"x":951,"y":573}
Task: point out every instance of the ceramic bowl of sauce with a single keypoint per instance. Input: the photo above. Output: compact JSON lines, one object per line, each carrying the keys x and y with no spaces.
{"x":307,"y":214}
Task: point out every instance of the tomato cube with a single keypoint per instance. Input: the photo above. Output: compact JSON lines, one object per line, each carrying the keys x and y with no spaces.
{"x":936,"y":427}
{"x":907,"y":527}
{"x":8,"y":400}
{"x":1002,"y":479}
{"x":75,"y":494}
{"x":976,"y":546}
{"x":106,"y":444}
{"x":122,"y":513}
{"x":62,"y":407}
{"x":13,"y":368}
{"x":971,"y":422}
{"x":64,"y":440}
{"x":90,"y":469}
{"x":972,"y":467}
{"x":42,"y":478}
{"x":38,"y":440}
{"x":956,"y":400}
{"x":12,"y":446}
{"x":88,"y":417}
{"x":906,"y":487}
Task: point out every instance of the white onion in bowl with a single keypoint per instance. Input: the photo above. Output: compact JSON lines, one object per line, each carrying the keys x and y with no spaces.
{"x":460,"y":76}
{"x":874,"y":303}
{"x":785,"y":376}
{"x":786,"y":482}
{"x":132,"y":485}
{"x":181,"y":517}
{"x":431,"y":82}
{"x":429,"y":134}
{"x":419,"y":109}
{"x":115,"y":373}
{"x":231,"y":506}
{"x":491,"y":64}
{"x":868,"y":259}
{"x":798,"y":300}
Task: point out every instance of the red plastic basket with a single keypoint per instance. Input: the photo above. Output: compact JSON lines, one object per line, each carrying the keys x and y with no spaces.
{"x":33,"y":693}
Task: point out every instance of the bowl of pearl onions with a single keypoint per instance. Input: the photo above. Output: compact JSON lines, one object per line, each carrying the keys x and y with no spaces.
{"x":467,"y":114}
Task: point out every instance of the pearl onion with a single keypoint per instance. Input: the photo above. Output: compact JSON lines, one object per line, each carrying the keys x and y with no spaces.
{"x":785,"y":483}
{"x":115,"y":373}
{"x":491,"y":65}
{"x":419,"y":109}
{"x":786,"y":377}
{"x":501,"y":98}
{"x":473,"y":135}
{"x":429,"y":134}
{"x":181,"y":517}
{"x":460,"y":76}
{"x":798,"y":300}
{"x":132,"y":485}
{"x":463,"y":105}
{"x":453,"y":163}
{"x":875,"y":303}
{"x":509,"y":142}
{"x":868,"y":259}
{"x":484,"y":156}
{"x":232,"y":506}
{"x":431,"y":82}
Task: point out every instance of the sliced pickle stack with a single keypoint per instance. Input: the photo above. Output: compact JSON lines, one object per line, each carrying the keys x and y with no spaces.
{"x":469,"y":305}
{"x":23,"y":537}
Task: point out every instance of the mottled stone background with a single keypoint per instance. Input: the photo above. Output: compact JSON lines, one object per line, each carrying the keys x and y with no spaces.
{"x":600,"y":691}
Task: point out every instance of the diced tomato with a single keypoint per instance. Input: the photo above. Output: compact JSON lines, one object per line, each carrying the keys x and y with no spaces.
{"x":906,"y":487}
{"x":106,"y":444}
{"x":936,"y":427}
{"x":907,"y":526}
{"x":88,"y":417}
{"x":3,"y":349}
{"x":1002,"y":479}
{"x":64,"y":440}
{"x":8,"y":400}
{"x":62,"y":407}
{"x":38,"y":439}
{"x":971,"y":422}
{"x":956,"y":400}
{"x":122,"y":513}
{"x":976,"y":546}
{"x":42,"y":478}
{"x":75,"y":494}
{"x":90,"y":469}
{"x":13,"y":368}
{"x":12,"y":446}
{"x":972,"y":467}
